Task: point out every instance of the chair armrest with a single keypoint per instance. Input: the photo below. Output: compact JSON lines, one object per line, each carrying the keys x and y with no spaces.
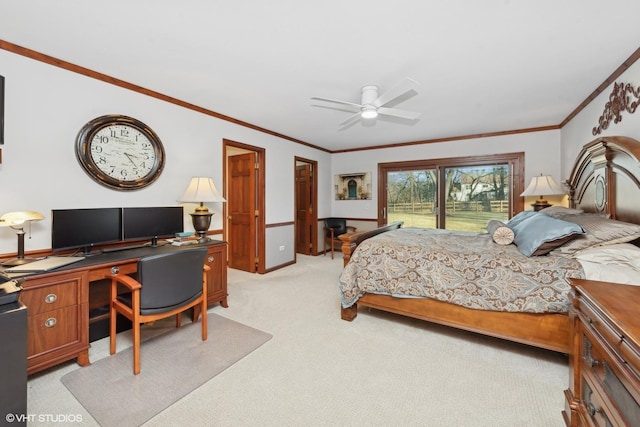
{"x":352,"y":228}
{"x":330,"y":231}
{"x":127,"y":281}
{"x":206,"y":268}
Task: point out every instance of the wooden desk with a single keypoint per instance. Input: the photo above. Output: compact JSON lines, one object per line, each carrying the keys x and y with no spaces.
{"x":59,"y":302}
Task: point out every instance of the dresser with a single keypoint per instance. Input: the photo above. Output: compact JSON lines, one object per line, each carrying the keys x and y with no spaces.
{"x":604,"y":364}
{"x":61,"y":304}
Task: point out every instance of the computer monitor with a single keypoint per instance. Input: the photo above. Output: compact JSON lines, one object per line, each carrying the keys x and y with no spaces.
{"x":85,"y":228}
{"x":152,"y":222}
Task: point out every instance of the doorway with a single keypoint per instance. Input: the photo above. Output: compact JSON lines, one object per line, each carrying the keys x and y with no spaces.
{"x":244,"y":177}
{"x":306,"y":201}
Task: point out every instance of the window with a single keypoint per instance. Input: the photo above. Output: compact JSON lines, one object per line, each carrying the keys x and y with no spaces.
{"x":456,"y":193}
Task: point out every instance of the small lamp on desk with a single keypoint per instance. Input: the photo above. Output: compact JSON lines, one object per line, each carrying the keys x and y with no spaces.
{"x":543,"y":185}
{"x":16,"y":221}
{"x":200,"y":190}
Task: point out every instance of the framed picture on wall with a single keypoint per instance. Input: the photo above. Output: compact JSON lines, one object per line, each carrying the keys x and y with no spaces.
{"x":352,"y":186}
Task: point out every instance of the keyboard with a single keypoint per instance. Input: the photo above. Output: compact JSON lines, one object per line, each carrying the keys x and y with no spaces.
{"x":45,"y":264}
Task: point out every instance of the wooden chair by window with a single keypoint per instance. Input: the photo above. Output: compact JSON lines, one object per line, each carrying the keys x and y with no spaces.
{"x":333,"y":227}
{"x":167,"y":284}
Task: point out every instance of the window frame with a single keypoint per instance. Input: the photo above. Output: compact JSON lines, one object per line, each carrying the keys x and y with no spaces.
{"x":514,"y":160}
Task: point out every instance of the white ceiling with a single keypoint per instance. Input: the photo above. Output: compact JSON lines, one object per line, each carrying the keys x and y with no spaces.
{"x":483,"y":65}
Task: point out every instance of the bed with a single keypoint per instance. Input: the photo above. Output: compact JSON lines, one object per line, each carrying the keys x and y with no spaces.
{"x":604,"y":186}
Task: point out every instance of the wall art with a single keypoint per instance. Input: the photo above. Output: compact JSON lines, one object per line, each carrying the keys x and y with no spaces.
{"x":352,"y":186}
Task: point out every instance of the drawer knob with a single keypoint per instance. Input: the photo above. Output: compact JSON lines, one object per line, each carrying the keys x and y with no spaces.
{"x":50,"y":322}
{"x":210,"y":259}
{"x":592,"y":409}
{"x":115,"y":270}
{"x":592,"y":362}
{"x":51,"y":298}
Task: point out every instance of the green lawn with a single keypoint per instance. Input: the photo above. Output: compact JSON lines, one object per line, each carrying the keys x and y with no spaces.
{"x":460,"y":220}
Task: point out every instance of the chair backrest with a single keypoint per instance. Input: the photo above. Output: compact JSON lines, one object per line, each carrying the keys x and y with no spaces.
{"x":171,"y":278}
{"x":339,"y":225}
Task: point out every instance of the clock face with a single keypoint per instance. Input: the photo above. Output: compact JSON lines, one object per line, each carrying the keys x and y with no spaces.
{"x":120,"y":152}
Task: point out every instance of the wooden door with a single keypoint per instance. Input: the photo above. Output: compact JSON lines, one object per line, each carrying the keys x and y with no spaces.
{"x":241,"y":206}
{"x":304,"y":208}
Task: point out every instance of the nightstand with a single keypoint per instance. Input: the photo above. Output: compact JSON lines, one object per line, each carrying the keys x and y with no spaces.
{"x":604,"y":365}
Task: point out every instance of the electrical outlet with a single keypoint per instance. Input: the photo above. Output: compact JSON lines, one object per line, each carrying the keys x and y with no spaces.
{"x":282,"y":248}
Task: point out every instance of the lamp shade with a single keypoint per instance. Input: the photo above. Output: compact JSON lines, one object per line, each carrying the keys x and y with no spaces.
{"x":201,"y":189}
{"x":542,"y":185}
{"x":17,"y":219}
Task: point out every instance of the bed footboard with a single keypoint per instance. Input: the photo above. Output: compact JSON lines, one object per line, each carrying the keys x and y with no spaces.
{"x":549,"y":331}
{"x":351,"y":240}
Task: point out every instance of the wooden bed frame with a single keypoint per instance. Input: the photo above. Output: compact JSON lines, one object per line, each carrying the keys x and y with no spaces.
{"x":604,"y":179}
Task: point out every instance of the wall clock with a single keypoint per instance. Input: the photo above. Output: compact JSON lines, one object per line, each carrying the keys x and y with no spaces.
{"x":120,"y":152}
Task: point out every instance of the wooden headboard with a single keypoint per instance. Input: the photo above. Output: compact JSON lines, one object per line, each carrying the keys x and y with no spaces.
{"x":606,"y":178}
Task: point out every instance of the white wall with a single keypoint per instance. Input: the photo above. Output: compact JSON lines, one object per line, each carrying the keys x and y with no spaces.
{"x":542,"y":155}
{"x":46,"y":106}
{"x":578,"y":131}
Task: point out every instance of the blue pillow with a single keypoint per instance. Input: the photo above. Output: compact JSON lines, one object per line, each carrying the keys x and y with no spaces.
{"x":539,"y":234}
{"x":520,"y":217}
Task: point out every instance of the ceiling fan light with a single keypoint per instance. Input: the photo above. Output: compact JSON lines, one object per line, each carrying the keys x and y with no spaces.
{"x":369,"y":113}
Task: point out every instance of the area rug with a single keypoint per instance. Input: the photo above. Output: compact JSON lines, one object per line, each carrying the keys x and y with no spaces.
{"x":172,"y":365}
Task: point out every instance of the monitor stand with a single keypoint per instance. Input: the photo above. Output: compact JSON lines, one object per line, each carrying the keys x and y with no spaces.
{"x":86,"y":251}
{"x":154,"y":243}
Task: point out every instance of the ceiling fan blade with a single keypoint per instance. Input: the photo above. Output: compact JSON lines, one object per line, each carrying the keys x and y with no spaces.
{"x":336,"y":101}
{"x":352,"y":117}
{"x":409,"y":115}
{"x":402,"y":88}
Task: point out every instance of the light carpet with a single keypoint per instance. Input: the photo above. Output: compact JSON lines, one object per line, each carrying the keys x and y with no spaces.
{"x":320,"y":371}
{"x":173,"y":364}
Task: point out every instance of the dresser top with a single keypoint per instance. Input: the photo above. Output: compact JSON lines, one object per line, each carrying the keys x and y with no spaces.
{"x":620,"y":303}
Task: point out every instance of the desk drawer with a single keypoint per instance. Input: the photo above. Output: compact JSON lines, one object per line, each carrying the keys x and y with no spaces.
{"x":47,"y":298}
{"x":52,"y":329}
{"x":125,"y":267}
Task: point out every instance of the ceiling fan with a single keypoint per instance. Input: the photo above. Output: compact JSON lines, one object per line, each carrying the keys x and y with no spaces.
{"x":372,"y":104}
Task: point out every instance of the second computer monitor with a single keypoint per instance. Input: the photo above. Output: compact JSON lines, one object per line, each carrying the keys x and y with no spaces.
{"x":152,"y":222}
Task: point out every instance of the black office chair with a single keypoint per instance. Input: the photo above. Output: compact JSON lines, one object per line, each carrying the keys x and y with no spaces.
{"x":167,"y":284}
{"x":334,"y":227}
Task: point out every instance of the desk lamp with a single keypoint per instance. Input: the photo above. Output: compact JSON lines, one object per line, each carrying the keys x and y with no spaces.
{"x":543,"y":185}
{"x":16,"y":221}
{"x":200,"y":190}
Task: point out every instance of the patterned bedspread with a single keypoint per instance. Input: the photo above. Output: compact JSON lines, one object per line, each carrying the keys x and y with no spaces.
{"x":462,"y":268}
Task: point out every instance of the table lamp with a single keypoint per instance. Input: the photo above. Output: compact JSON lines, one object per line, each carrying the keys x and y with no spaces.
{"x":16,"y":221}
{"x":201,"y":190}
{"x":542,"y":185}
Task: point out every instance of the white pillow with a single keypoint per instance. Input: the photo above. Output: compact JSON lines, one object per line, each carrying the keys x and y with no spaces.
{"x":610,"y":273}
{"x":621,"y":254}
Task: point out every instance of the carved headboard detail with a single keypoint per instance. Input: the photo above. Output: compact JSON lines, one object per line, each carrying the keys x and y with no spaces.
{"x":606,"y":178}
{"x":619,"y":101}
